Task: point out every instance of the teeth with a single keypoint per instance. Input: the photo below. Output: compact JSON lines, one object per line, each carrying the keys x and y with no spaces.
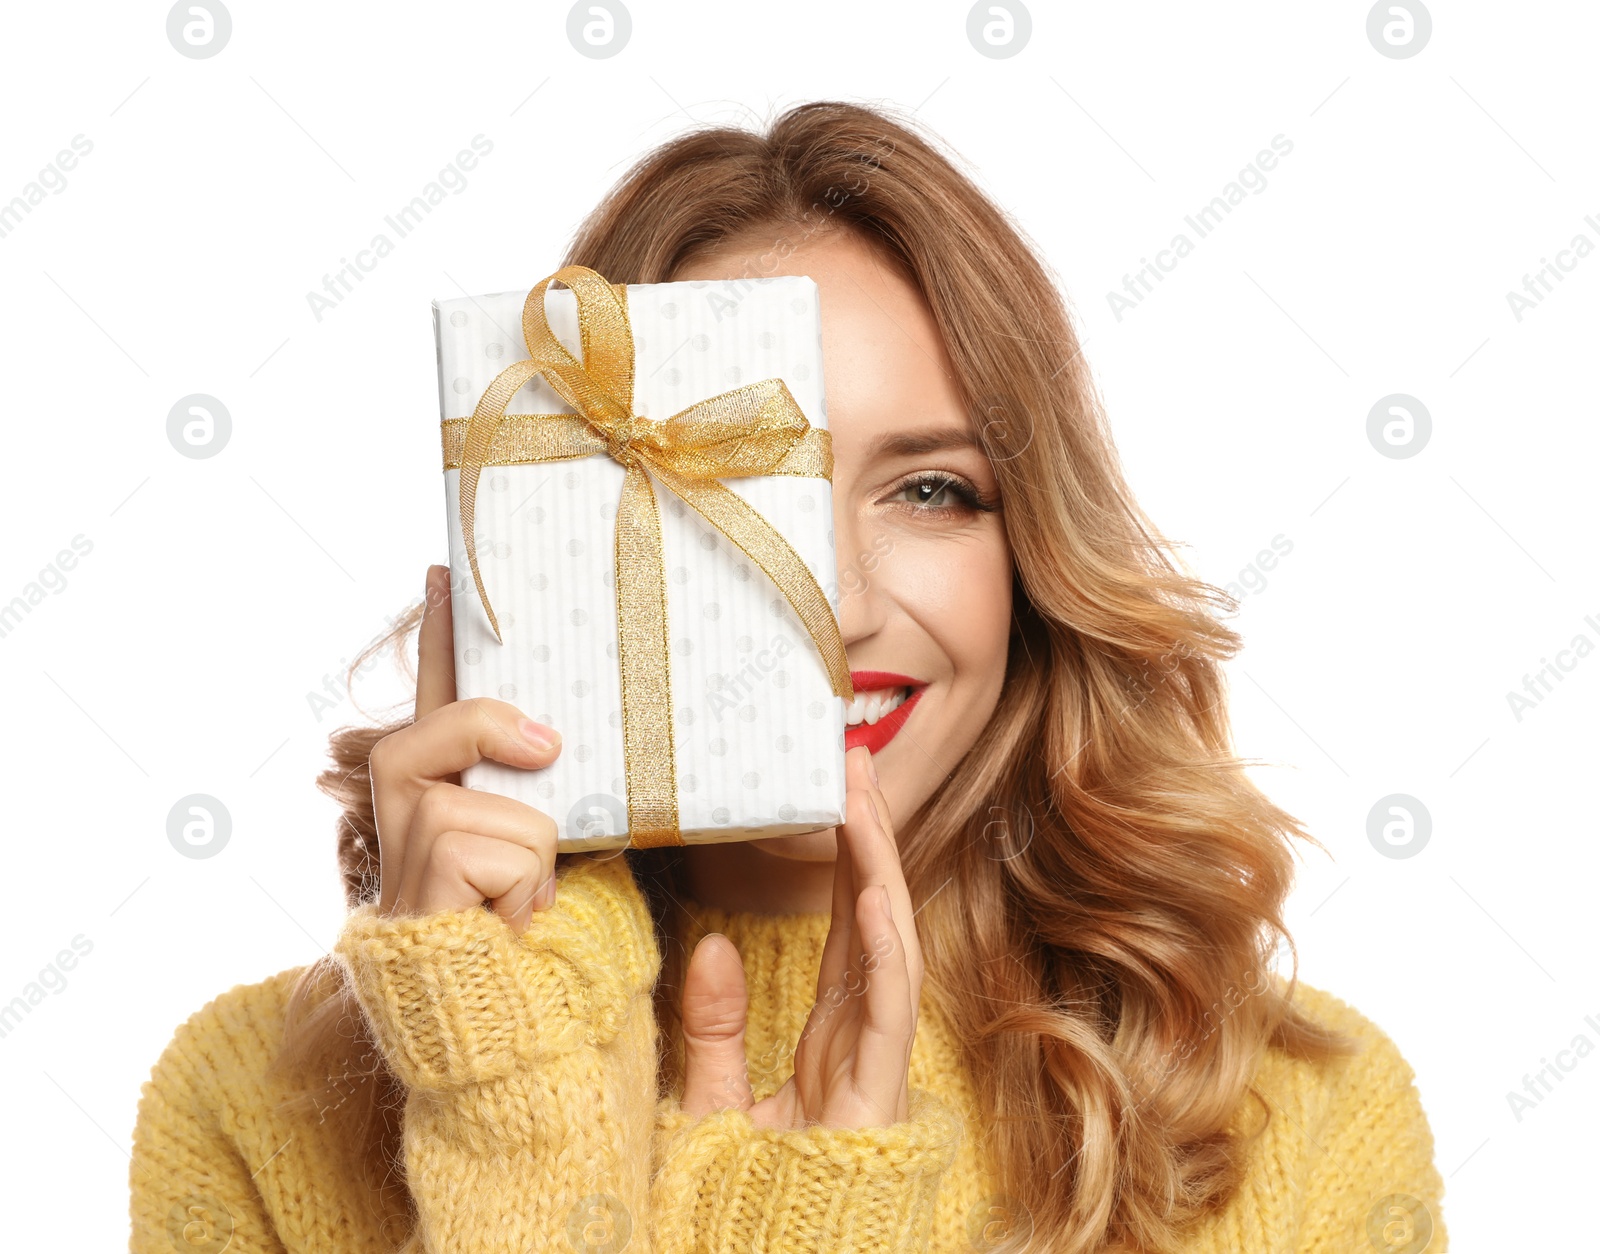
{"x":869,"y":707}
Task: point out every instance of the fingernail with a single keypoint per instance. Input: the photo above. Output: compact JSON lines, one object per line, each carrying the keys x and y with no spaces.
{"x":872,"y":769}
{"x":545,"y":897}
{"x":538,"y":735}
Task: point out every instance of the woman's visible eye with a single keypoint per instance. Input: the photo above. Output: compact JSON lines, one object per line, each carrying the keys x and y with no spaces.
{"x":940,"y":493}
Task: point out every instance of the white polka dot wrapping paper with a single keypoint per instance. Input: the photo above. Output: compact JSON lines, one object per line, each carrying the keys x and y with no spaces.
{"x":758,"y":733}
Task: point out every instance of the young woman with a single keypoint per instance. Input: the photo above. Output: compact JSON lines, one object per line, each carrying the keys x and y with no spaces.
{"x":1021,"y":998}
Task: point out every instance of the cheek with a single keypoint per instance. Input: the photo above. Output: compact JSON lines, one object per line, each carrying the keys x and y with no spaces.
{"x":959,"y":594}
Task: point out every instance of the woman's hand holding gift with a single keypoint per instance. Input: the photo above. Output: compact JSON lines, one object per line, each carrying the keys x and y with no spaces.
{"x":851,"y":1066}
{"x":442,"y":846}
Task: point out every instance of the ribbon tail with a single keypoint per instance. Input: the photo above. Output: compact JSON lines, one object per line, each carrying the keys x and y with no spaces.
{"x":479,"y":440}
{"x":641,"y":586}
{"x":732,"y":515}
{"x":470,"y":469}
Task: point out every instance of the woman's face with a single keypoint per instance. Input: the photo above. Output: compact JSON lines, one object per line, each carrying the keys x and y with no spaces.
{"x":924,"y":572}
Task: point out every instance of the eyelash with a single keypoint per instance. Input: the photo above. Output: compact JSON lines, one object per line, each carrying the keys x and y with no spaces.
{"x":972,"y":500}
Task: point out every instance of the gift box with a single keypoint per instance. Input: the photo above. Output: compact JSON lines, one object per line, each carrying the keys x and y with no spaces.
{"x":643,"y":471}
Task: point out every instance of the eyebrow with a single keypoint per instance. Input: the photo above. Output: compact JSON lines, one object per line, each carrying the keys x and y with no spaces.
{"x":910,"y":443}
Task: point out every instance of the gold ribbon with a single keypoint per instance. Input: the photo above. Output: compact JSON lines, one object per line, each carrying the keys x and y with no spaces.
{"x":757,"y":429}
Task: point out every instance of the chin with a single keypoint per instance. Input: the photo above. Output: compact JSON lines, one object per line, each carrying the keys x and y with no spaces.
{"x":820,"y":846}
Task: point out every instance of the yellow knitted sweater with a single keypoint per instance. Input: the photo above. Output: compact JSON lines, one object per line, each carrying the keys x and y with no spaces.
{"x":533,"y":1122}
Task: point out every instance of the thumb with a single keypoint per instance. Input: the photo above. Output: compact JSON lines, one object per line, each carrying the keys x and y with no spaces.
{"x":436,"y":658}
{"x":714,"y":1012}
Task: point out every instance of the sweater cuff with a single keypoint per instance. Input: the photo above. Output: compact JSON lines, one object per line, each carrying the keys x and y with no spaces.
{"x":723,"y":1185}
{"x":455,"y":997}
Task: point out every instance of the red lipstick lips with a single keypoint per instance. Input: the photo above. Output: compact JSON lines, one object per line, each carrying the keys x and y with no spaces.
{"x":876,"y":735}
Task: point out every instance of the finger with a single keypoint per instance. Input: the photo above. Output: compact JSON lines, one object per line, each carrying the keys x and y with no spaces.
{"x":715,"y":1008}
{"x":871,"y":853}
{"x":446,"y":741}
{"x":887,"y":1023}
{"x":405,"y":764}
{"x":464,"y":868}
{"x":840,"y":942}
{"x":783,"y":1109}
{"x":876,"y":860}
{"x":875,"y":791}
{"x":880,"y":802}
{"x":436,"y":659}
{"x":446,"y":807}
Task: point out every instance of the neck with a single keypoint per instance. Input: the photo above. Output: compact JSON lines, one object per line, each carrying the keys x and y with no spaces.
{"x":779,"y":875}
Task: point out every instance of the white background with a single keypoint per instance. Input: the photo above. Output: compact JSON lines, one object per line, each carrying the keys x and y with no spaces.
{"x":220,"y":592}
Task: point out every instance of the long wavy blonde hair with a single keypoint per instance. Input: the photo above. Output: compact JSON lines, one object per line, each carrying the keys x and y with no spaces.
{"x":1101,"y":883}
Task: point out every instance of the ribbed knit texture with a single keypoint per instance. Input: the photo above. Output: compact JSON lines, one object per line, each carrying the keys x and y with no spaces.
{"x":533,"y":1120}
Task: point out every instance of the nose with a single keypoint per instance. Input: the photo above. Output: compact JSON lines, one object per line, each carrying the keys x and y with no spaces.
{"x":863,"y":606}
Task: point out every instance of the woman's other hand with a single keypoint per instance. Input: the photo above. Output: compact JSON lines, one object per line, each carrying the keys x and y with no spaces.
{"x":852,"y":1063}
{"x":442,"y":846}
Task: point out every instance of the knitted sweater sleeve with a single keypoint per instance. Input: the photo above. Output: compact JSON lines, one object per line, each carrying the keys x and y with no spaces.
{"x":1373,"y":1183}
{"x":529,"y":1062}
{"x":190,"y":1184}
{"x":723,"y":1185}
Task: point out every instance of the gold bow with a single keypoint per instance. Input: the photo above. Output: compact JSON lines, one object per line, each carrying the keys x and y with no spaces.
{"x":757,"y":429}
